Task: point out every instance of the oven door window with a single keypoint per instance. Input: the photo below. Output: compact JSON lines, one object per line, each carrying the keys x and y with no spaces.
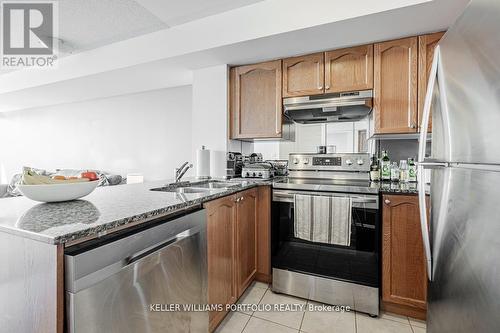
{"x":357,"y":262}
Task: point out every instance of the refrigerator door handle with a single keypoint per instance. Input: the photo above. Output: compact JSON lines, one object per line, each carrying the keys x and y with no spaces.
{"x":423,"y":163}
{"x":424,"y":127}
{"x":422,"y":204}
{"x":427,"y":164}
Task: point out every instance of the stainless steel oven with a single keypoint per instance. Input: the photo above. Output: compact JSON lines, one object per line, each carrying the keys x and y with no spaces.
{"x":335,"y":274}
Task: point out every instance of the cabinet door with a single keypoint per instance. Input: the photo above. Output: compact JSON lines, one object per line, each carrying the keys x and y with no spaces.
{"x":264,"y":234}
{"x":426,"y":46}
{"x":246,"y":239}
{"x":303,"y":76}
{"x":349,"y":69}
{"x":221,"y":218}
{"x":395,"y":86}
{"x":404,"y":276}
{"x":255,"y":102}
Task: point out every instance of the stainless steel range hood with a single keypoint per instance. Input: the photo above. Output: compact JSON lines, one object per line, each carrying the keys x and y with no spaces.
{"x":337,"y":107}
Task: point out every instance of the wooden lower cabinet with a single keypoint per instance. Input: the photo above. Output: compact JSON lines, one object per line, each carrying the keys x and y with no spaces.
{"x":236,"y":243}
{"x":264,"y":235}
{"x":221,"y":217}
{"x":404,"y":276}
{"x":246,"y":239}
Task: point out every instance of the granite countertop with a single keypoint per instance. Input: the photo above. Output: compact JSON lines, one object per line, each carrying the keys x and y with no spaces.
{"x":112,"y":207}
{"x":104,"y":210}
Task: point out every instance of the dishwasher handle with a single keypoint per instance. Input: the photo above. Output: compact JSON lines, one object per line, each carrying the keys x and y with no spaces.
{"x":159,"y":246}
{"x":91,"y":278}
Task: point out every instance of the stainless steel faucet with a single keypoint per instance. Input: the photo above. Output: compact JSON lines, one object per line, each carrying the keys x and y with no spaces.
{"x":179,"y":172}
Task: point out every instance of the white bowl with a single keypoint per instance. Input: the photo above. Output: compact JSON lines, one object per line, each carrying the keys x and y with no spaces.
{"x":58,"y":192}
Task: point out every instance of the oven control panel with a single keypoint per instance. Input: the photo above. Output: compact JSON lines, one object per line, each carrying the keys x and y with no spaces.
{"x":330,"y":162}
{"x":334,"y":161}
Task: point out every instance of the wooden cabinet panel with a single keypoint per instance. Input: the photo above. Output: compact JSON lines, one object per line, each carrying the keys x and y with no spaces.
{"x":404,"y":276}
{"x":426,"y":46}
{"x":395,"y":86}
{"x":221,"y":216}
{"x":264,"y":234}
{"x":232,"y":228}
{"x":246,"y":239}
{"x":255,"y":101}
{"x":349,"y":69}
{"x":303,"y":75}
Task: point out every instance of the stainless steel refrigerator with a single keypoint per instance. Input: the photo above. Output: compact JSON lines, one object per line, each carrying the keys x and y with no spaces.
{"x":462,"y":236}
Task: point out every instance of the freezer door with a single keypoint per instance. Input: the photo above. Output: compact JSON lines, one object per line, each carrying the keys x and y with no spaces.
{"x":465,"y":227}
{"x":469,"y":81}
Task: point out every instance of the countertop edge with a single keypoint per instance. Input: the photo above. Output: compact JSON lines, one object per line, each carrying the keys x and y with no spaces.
{"x":121,"y":224}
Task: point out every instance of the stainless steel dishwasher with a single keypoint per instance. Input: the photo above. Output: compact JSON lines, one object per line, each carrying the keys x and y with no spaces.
{"x":126,"y":284}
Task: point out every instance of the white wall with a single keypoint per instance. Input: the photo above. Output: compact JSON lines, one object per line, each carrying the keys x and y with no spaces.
{"x":210,"y":118}
{"x":210,"y":124}
{"x":307,"y":137}
{"x":146,"y":132}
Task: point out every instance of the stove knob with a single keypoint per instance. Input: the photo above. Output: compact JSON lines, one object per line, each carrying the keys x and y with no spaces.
{"x":254,"y":174}
{"x":260,"y":174}
{"x":295,"y":161}
{"x":360,"y":162}
{"x":305,"y":161}
{"x":248,"y":174}
{"x":348,"y":162}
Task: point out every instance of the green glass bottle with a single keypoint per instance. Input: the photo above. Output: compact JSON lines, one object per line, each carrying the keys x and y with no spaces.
{"x":385,"y":166}
{"x":412,"y":170}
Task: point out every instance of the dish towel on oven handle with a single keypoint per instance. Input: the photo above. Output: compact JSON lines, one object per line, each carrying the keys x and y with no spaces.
{"x":323,"y":219}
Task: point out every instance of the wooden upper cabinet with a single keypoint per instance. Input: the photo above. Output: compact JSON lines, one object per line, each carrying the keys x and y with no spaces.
{"x":395,"y":86}
{"x":246,"y":239}
{"x":255,"y":101}
{"x":303,"y":75}
{"x":221,"y":221}
{"x":349,"y":69}
{"x":426,"y":46}
{"x":404,"y":275}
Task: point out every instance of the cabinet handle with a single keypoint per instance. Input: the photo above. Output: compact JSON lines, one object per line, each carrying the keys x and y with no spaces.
{"x":241,"y":199}
{"x":387,"y":201}
{"x":320,"y":87}
{"x":413,"y":126}
{"x":237,"y":200}
{"x":327,"y":87}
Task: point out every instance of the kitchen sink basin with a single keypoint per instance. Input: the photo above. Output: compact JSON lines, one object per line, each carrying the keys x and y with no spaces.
{"x":216,"y":184}
{"x":187,"y":189}
{"x":199,"y":187}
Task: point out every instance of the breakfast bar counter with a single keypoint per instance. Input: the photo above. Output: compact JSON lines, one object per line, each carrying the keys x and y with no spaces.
{"x":105,"y":210}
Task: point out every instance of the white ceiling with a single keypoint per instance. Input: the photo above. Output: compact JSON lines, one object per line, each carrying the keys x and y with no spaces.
{"x":88,"y":24}
{"x":175,"y":12}
{"x":244,"y":35}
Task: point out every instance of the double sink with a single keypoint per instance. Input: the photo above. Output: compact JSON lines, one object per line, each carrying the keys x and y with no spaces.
{"x":197,"y":187}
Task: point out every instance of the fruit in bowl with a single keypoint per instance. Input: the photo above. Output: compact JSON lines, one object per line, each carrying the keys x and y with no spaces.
{"x":57,"y":188}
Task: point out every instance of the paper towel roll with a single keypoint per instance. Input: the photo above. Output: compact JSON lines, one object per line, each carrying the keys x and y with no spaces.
{"x":203,"y":163}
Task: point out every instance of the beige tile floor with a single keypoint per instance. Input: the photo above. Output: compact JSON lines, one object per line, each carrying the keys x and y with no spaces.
{"x":307,"y":321}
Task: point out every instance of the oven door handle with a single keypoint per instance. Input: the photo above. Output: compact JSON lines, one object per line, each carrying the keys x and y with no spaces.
{"x":283,"y":196}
